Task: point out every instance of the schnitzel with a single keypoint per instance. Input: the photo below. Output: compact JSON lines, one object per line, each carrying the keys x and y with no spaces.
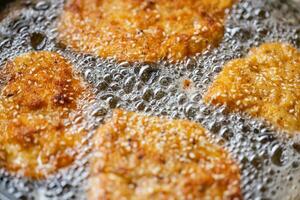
{"x":40,"y":114}
{"x":265,"y":84}
{"x":141,"y":157}
{"x":143,"y":30}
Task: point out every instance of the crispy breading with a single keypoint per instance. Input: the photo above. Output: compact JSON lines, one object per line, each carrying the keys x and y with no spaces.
{"x":143,"y":30}
{"x":141,"y":157}
{"x":40,"y":114}
{"x":265,"y":84}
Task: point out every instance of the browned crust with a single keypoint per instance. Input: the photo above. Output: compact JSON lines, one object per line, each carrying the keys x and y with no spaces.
{"x":39,"y":97}
{"x":140,"y":157}
{"x":143,"y":30}
{"x":264,"y":84}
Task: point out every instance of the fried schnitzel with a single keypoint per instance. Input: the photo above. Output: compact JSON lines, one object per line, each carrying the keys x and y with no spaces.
{"x":143,"y":30}
{"x":40,"y":114}
{"x":141,"y":157}
{"x":265,"y":84}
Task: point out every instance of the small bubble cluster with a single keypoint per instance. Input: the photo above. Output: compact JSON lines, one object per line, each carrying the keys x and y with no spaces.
{"x":269,"y":160}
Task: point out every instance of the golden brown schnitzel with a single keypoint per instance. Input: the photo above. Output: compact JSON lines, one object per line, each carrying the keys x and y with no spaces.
{"x":140,"y":157}
{"x":265,"y":84}
{"x":143,"y":30}
{"x":40,"y":114}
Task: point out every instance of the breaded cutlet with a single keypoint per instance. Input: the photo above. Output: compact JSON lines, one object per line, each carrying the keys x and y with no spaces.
{"x":143,"y":30}
{"x":265,"y":84}
{"x":41,"y":117}
{"x":141,"y":157}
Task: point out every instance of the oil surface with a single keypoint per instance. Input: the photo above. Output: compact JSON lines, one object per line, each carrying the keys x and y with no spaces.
{"x":270,"y":160}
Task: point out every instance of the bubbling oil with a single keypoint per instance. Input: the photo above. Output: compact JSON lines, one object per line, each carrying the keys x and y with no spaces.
{"x":269,"y":160}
